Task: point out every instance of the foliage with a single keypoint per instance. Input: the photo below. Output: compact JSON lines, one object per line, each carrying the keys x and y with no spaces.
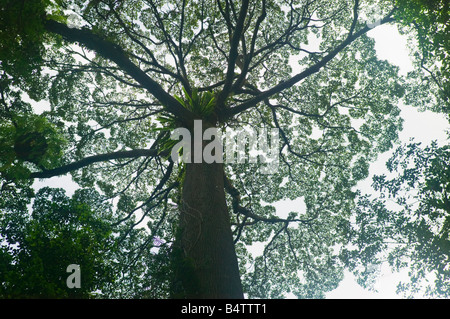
{"x":429,"y":22}
{"x":22,"y":41}
{"x":36,"y":249}
{"x":26,"y":139}
{"x":407,"y":221}
{"x":200,"y":104}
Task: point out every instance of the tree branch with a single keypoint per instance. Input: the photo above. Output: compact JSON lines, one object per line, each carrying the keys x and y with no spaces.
{"x":117,"y":55}
{"x":156,"y":192}
{"x":352,"y":36}
{"x":230,"y":189}
{"x":94,"y":159}
{"x":233,"y":55}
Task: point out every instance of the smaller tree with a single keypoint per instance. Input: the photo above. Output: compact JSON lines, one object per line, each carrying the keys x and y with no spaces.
{"x":37,"y":248}
{"x":60,"y":231}
{"x":408,"y":221}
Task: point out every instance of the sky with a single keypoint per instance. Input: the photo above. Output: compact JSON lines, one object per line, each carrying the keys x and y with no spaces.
{"x":423,"y":126}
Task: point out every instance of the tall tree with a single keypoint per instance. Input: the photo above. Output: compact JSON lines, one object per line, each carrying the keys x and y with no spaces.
{"x":118,"y":76}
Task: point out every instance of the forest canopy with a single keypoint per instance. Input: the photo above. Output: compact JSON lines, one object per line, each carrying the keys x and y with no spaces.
{"x":95,"y":89}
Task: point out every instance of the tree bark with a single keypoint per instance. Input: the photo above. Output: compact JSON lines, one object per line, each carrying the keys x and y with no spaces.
{"x":206,"y":264}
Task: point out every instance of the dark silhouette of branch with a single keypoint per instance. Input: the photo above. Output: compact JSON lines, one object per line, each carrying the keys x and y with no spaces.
{"x":234,"y":193}
{"x":233,"y":55}
{"x":156,"y":193}
{"x":117,"y":55}
{"x":95,"y":159}
{"x":352,"y":36}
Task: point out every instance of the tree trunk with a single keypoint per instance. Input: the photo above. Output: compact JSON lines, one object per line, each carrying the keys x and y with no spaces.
{"x":206,"y":263}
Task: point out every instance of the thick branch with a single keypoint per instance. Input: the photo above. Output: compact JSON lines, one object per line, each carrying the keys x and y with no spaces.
{"x":94,"y":159}
{"x":233,"y":55}
{"x":132,"y":35}
{"x":244,"y":64}
{"x":116,"y":54}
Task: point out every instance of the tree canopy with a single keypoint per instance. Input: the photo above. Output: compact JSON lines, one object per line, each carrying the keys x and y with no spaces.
{"x":94,"y":89}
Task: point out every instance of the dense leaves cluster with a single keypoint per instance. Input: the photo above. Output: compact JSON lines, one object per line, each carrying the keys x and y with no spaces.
{"x":37,"y":248}
{"x":406,"y":222}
